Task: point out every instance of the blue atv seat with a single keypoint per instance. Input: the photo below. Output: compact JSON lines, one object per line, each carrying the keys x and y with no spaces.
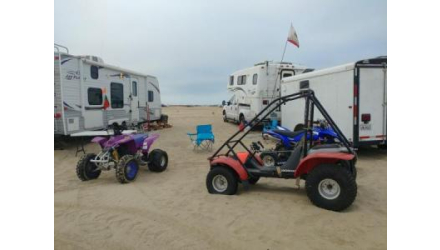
{"x":288,"y":133}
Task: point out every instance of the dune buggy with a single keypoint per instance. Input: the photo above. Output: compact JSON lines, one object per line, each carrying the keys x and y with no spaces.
{"x":328,"y":170}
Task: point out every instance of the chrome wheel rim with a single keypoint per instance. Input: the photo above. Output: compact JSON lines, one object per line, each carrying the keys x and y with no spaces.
{"x":162,"y":161}
{"x":220,"y":183}
{"x":268,"y":161}
{"x":329,"y":189}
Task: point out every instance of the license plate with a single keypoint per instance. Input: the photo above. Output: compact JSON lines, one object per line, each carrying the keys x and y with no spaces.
{"x":365,"y":127}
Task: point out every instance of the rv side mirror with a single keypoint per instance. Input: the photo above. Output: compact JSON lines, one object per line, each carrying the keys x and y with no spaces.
{"x":223,"y":103}
{"x":229,"y":103}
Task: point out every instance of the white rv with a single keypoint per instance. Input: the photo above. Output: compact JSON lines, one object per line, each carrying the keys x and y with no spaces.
{"x":91,"y":95}
{"x":253,"y":88}
{"x":354,"y":94}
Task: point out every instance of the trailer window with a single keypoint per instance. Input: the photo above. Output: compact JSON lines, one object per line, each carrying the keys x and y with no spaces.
{"x":286,"y":75}
{"x":150,"y":96}
{"x":117,"y":95}
{"x":94,"y":72}
{"x":231,"y":80}
{"x":241,"y":80}
{"x":255,"y":79}
{"x":94,"y":96}
{"x":134,"y":90}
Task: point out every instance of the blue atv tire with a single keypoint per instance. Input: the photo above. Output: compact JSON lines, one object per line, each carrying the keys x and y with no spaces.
{"x":127,"y":169}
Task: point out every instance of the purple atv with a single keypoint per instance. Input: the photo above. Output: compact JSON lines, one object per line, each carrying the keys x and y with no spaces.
{"x":124,"y":153}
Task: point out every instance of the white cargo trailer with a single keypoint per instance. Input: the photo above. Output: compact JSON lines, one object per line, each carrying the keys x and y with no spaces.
{"x":91,"y":95}
{"x":354,"y":94}
{"x":255,"y":87}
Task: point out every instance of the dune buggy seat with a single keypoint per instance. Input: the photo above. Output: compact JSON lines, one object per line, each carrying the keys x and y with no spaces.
{"x":203,"y":139}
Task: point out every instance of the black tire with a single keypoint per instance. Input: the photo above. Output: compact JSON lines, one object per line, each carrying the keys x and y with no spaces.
{"x":253,"y":180}
{"x":269,"y":158}
{"x":299,"y":127}
{"x":324,"y":177}
{"x":225,"y":119}
{"x":241,"y":119}
{"x":127,"y":169}
{"x":382,"y":146}
{"x":158,"y":160}
{"x":218,"y":174}
{"x":86,"y":170}
{"x":347,"y":166}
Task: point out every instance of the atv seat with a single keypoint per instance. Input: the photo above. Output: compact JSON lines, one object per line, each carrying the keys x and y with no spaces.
{"x":288,"y":133}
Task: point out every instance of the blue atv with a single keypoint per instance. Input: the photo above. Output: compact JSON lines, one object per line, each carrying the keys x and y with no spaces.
{"x":286,"y":140}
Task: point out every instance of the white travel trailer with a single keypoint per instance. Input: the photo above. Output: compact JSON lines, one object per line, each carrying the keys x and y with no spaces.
{"x":253,"y":88}
{"x":354,"y":94}
{"x":91,"y":95}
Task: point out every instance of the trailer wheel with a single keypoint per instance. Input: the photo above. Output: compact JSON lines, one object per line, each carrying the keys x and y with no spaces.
{"x":221,"y":180}
{"x":87,"y":170}
{"x":127,"y":169}
{"x":158,"y":160}
{"x":331,"y":187}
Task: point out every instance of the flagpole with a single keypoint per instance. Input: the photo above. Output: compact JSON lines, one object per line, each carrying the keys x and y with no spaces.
{"x":285,"y":46}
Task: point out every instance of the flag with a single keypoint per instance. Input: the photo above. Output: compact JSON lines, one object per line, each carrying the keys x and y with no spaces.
{"x":106,"y":102}
{"x":293,"y":37}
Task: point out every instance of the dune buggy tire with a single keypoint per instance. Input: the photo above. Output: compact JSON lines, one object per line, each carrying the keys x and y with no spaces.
{"x":86,"y":170}
{"x":221,"y":180}
{"x":225,"y":118}
{"x":331,"y":187}
{"x":158,"y":160}
{"x":127,"y":169}
{"x":253,"y":180}
{"x":350,"y":169}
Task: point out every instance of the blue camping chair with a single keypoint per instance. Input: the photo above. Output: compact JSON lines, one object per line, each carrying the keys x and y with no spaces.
{"x":203,"y":139}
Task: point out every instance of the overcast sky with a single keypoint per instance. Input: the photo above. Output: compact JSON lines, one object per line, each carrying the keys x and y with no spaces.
{"x":193,"y":46}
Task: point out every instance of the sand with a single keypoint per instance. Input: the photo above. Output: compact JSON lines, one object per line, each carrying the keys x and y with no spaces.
{"x":173,"y":210}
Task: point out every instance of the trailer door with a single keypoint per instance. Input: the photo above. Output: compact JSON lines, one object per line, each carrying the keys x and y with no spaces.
{"x":134,"y":99}
{"x":372,"y":105}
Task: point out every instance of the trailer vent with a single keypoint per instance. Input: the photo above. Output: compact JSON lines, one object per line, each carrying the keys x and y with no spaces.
{"x":304,"y":84}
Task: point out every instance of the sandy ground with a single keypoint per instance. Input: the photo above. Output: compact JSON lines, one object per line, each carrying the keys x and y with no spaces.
{"x":173,"y":210}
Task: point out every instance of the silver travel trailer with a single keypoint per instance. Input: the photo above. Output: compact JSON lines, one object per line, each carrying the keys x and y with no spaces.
{"x":354,"y":94}
{"x":254,"y":88}
{"x":91,"y":95}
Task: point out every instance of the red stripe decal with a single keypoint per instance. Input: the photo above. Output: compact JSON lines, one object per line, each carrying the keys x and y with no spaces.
{"x":363,"y":137}
{"x":380,"y":136}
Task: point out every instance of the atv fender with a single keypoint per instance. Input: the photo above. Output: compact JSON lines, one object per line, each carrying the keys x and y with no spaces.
{"x":100,"y":140}
{"x":313,"y":160}
{"x":231,"y":163}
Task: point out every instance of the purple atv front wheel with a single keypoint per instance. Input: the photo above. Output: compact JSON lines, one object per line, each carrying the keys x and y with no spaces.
{"x":127,"y":169}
